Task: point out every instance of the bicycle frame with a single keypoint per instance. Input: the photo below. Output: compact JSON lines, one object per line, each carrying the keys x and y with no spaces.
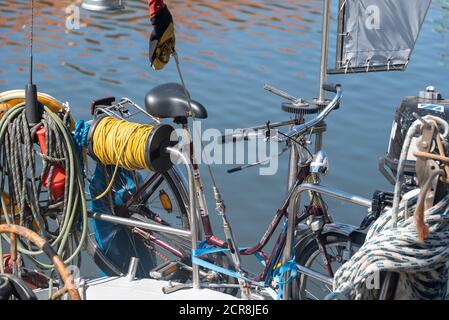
{"x":154,"y":181}
{"x":301,"y":176}
{"x":297,"y":178}
{"x":290,"y":207}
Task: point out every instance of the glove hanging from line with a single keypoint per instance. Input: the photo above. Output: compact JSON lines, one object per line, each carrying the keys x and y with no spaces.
{"x":162,"y":38}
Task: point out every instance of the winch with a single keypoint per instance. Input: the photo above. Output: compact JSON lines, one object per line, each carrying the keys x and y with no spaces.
{"x":428,"y":102}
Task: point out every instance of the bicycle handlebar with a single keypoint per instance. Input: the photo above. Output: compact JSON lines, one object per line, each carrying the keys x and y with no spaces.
{"x":330,"y":87}
{"x":320,"y":117}
{"x":248,"y":133}
{"x":239,"y":136}
{"x":253,"y":132}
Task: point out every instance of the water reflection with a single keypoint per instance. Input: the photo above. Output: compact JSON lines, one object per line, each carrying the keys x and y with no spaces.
{"x":213,"y":32}
{"x":196,"y":21}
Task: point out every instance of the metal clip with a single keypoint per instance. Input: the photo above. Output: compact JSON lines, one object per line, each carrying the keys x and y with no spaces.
{"x":418,"y":117}
{"x":348,"y":63}
{"x":66,"y":106}
{"x":367,"y":64}
{"x":268,"y":132}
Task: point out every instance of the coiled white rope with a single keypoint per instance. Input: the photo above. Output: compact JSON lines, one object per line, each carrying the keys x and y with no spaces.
{"x":392,"y":245}
{"x":422,"y":264}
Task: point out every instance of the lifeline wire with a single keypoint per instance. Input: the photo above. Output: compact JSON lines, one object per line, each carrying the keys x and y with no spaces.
{"x":31,"y":41}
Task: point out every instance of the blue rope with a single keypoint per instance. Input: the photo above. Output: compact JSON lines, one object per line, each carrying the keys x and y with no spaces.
{"x":80,"y":134}
{"x":279,"y":275}
{"x":80,"y":138}
{"x":205,"y":249}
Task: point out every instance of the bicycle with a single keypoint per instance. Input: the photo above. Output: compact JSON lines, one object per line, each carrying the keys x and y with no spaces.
{"x":130,"y":211}
{"x":319,"y":235}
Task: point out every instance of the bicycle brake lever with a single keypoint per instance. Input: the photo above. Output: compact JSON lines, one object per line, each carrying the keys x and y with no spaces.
{"x":245,"y":166}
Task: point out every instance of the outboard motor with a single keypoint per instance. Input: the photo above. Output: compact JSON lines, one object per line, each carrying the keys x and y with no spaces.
{"x":429,"y":102}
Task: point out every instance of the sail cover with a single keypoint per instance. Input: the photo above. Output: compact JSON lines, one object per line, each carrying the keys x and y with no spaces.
{"x":377,"y":35}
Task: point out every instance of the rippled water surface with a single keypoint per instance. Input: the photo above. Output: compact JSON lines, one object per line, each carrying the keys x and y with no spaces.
{"x":229,"y":50}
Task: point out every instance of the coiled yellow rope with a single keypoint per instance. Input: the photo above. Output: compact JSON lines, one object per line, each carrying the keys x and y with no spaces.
{"x":120,"y":143}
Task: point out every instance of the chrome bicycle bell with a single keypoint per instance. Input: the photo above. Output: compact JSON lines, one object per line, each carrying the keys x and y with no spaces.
{"x":319,"y":164}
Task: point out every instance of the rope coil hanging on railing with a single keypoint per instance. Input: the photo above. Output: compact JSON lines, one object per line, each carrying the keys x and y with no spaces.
{"x":39,"y":168}
{"x":422,"y":264}
{"x":415,"y":246}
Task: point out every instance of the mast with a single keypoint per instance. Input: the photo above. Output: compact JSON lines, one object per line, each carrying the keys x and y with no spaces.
{"x":324,"y":50}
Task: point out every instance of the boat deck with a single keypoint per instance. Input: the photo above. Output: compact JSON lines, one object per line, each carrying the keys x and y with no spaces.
{"x":121,"y":288}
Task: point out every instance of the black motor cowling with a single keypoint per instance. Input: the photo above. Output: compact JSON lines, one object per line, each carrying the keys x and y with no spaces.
{"x":429,"y":102}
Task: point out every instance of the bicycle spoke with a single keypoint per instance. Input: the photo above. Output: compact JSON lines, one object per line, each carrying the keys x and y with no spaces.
{"x":110,"y":241}
{"x":144,"y":208}
{"x":133,"y":244}
{"x":314,"y":288}
{"x":320,"y":261}
{"x":154,"y":188}
{"x":310,"y":293}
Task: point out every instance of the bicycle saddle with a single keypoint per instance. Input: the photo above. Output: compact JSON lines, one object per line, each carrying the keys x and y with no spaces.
{"x":169,"y":101}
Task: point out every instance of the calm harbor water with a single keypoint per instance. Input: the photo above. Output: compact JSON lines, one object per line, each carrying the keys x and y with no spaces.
{"x":229,"y":50}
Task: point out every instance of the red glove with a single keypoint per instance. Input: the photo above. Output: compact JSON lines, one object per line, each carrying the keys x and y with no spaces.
{"x":155,"y":6}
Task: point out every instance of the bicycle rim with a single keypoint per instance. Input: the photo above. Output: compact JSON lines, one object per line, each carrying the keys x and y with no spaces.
{"x":307,"y":288}
{"x":113,"y":250}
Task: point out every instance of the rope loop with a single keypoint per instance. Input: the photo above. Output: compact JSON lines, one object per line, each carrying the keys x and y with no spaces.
{"x":279,"y":275}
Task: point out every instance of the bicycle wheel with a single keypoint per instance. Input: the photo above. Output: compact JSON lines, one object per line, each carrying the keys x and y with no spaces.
{"x":309,"y":255}
{"x":111,"y":246}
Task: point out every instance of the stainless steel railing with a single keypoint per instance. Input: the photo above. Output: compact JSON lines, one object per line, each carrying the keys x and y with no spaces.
{"x":296,"y":201}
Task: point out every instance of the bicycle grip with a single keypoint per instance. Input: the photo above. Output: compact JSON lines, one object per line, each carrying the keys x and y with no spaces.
{"x":330,"y":87}
{"x":234,"y":169}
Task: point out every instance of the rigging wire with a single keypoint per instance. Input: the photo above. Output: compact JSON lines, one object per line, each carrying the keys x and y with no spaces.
{"x":31,"y":41}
